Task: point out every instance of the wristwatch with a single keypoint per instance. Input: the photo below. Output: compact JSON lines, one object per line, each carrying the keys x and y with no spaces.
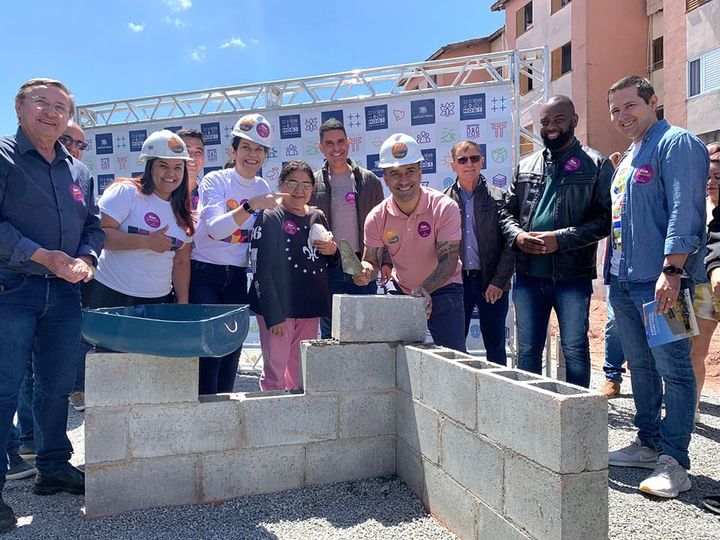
{"x":671,"y":270}
{"x":246,"y":206}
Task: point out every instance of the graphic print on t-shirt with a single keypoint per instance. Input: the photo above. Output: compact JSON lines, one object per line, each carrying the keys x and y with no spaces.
{"x":175,"y":243}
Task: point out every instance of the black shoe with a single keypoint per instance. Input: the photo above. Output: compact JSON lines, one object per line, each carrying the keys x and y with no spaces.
{"x":712,"y":503}
{"x":70,"y":480}
{"x":7,"y":517}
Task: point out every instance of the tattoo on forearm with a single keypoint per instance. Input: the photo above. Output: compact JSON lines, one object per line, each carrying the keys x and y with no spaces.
{"x":447,"y":255}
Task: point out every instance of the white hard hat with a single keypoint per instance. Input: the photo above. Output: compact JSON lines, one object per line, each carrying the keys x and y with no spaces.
{"x":399,"y":149}
{"x":163,"y":144}
{"x":255,"y":128}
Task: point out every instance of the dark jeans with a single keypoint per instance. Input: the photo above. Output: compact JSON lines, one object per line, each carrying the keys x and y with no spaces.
{"x":447,"y":317}
{"x":217,"y":284}
{"x":26,"y":422}
{"x":534,"y":298}
{"x":341,"y":283}
{"x":490,"y":316}
{"x":614,"y":356}
{"x":40,"y":319}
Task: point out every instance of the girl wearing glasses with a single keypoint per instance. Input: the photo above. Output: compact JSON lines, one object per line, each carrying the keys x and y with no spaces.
{"x":291,"y":251}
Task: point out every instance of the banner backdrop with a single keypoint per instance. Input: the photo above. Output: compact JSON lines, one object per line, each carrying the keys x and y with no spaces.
{"x":437,"y":121}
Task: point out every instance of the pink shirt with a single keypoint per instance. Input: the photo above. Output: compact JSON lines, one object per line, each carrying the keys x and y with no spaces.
{"x":411,"y":239}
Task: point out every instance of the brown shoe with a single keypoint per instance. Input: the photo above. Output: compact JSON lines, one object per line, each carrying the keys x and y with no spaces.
{"x":611,"y":389}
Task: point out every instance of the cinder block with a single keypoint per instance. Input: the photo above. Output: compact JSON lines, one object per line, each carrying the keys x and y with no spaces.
{"x":491,"y":525}
{"x":106,"y":432}
{"x":345,"y":367}
{"x":367,"y":414}
{"x":473,"y":462}
{"x":408,"y":372}
{"x":167,"y":430}
{"x":418,"y":426}
{"x":232,"y":474}
{"x":544,"y":414}
{"x":350,"y":459}
{"x":449,"y":387}
{"x":116,"y":379}
{"x":409,"y":467}
{"x":556,"y":506}
{"x":288,"y":419}
{"x":148,"y":483}
{"x":450,"y":503}
{"x":378,"y":318}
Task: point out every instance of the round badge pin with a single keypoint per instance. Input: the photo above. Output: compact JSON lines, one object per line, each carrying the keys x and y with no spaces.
{"x":424,"y":229}
{"x":290,"y":228}
{"x":644,"y":174}
{"x":572,"y":164}
{"x":76,"y":193}
{"x":263,"y":130}
{"x":152,"y":219}
{"x":350,"y":197}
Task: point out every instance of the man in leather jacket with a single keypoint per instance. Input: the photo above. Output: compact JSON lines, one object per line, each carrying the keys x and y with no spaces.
{"x":557,"y":209}
{"x":487,"y":261}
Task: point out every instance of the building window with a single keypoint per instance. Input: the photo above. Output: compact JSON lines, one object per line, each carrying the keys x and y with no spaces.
{"x":524,"y":19}
{"x":561,"y":60}
{"x":557,"y":5}
{"x":526,"y":83}
{"x":526,"y":144}
{"x":657,"y":54}
{"x":704,"y":74}
{"x":694,"y":4}
{"x":660,"y":113}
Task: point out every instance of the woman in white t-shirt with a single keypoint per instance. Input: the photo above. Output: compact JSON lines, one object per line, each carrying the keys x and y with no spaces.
{"x":229,"y":201}
{"x":148,"y":228}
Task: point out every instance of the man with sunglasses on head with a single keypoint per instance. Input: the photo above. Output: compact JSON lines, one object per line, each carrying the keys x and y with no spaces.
{"x":557,"y":209}
{"x":487,"y":262}
{"x":50,"y":238}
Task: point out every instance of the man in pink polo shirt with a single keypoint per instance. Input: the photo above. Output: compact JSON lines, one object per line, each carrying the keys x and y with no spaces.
{"x":421,"y":230}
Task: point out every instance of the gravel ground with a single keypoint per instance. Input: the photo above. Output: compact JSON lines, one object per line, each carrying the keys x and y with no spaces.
{"x":378,"y":508}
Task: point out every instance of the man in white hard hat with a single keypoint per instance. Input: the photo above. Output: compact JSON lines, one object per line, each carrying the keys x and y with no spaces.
{"x":421,"y":229}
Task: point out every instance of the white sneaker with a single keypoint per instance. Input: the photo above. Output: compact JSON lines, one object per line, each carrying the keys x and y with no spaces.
{"x":668,"y":480}
{"x":634,"y":455}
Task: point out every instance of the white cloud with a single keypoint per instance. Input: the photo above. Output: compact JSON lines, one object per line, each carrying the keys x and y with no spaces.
{"x":198,"y":54}
{"x":233,"y":42}
{"x":136,"y":27}
{"x":177,"y":23}
{"x":179,"y":5}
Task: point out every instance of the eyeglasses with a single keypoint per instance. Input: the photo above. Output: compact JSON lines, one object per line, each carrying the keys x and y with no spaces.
{"x":42,"y":103}
{"x":294,"y":184}
{"x":474,"y":159}
{"x":68,"y":142}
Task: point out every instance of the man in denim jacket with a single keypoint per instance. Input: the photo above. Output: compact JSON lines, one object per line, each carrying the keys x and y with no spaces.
{"x":658,"y":243}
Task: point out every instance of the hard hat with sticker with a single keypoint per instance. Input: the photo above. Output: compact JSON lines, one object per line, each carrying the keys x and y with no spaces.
{"x":255,"y":128}
{"x":399,"y":149}
{"x":163,"y":144}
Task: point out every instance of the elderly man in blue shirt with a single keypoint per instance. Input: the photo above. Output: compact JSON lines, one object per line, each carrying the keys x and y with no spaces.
{"x":50,"y":237}
{"x":658,"y":245}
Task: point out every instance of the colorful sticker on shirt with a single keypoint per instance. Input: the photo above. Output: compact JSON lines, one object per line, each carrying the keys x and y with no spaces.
{"x":644,"y":174}
{"x":290,"y":228}
{"x":350,"y":197}
{"x":175,"y":243}
{"x":391,"y":237}
{"x":152,"y":219}
{"x":617,"y":236}
{"x":572,"y":164}
{"x":240,"y":236}
{"x":76,"y":193}
{"x":424,"y":229}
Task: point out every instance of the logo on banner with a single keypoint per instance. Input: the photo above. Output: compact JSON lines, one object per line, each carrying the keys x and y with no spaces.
{"x":472,"y":107}
{"x":137,"y":138}
{"x":447,"y":160}
{"x":311,"y":149}
{"x":355,"y":143}
{"x":228,"y":132}
{"x":372,"y":163}
{"x":104,"y":143}
{"x":174,"y":129}
{"x":290,"y":126}
{"x":291,"y":150}
{"x":311,"y":124}
{"x":122,"y":162}
{"x":105,"y":163}
{"x":212,"y":154}
{"x":353,"y":120}
{"x":399,"y":114}
{"x":499,"y":180}
{"x":327,"y":115}
{"x":377,"y":142}
{"x":376,"y":117}
{"x":120,"y":142}
{"x":500,"y":155}
{"x":473,"y":131}
{"x":498,"y":104}
{"x":423,"y":137}
{"x":273,"y":173}
{"x":447,"y":109}
{"x":422,"y":111}
{"x":272,"y":153}
{"x":498,"y":128}
{"x":448,"y":135}
{"x":211,"y":133}
{"x":448,"y":181}
{"x":429,"y":166}
{"x":104,"y":180}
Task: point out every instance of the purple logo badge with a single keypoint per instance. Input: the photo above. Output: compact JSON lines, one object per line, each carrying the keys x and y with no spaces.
{"x":644,"y":174}
{"x":76,"y":193}
{"x":263,"y":130}
{"x":350,"y":197}
{"x":572,"y":164}
{"x":290,"y":228}
{"x":152,"y":219}
{"x":424,"y":229}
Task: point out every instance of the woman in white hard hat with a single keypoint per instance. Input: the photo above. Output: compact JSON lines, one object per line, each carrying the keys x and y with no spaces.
{"x":292,"y":251}
{"x":229,"y":200}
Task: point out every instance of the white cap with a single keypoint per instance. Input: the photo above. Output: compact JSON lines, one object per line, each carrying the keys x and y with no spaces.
{"x":399,"y":149}
{"x":255,"y":128}
{"x":163,"y":144}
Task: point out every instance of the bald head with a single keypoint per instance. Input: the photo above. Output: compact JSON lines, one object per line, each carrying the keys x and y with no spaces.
{"x":563,"y":103}
{"x":557,"y":123}
{"x":73,"y":139}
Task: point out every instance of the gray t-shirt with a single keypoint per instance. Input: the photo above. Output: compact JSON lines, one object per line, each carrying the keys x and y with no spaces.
{"x":344,"y":224}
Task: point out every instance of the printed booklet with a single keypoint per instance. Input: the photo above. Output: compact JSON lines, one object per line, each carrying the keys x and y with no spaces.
{"x":678,"y":323}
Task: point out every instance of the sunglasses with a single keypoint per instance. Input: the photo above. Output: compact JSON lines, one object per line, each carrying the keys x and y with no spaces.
{"x":68,"y":142}
{"x":474,"y":159}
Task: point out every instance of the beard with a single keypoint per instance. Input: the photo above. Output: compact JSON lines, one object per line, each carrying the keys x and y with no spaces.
{"x":560,"y":141}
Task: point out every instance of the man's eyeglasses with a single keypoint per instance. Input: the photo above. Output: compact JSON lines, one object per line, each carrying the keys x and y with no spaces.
{"x":68,"y":142}
{"x":42,"y":103}
{"x":293,"y":184}
{"x":474,"y":159}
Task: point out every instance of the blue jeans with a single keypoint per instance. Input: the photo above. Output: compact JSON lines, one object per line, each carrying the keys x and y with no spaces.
{"x":341,"y":283}
{"x":614,"y":356}
{"x":26,"y":422}
{"x":491,"y":317}
{"x":40,"y":319}
{"x":534,"y":298}
{"x":447,"y":317}
{"x":667,"y":364}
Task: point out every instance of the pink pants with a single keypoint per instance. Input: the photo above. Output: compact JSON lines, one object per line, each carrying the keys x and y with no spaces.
{"x":281,"y":354}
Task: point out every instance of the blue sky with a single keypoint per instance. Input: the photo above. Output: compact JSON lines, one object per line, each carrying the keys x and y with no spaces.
{"x":115,"y":49}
